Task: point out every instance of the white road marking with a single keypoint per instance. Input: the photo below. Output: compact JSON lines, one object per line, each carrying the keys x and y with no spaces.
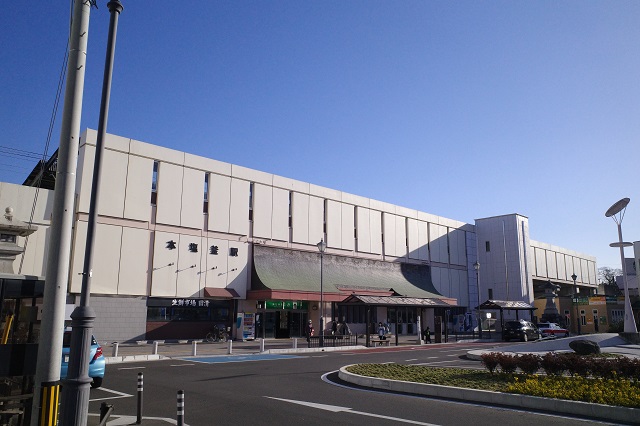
{"x":409,"y":360}
{"x":179,"y":365}
{"x":130,"y":420}
{"x":131,"y":368}
{"x":338,"y":409}
{"x":120,"y":395}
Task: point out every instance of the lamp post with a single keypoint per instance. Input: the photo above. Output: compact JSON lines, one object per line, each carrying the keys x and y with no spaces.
{"x":476,"y":266}
{"x":322,"y":246}
{"x":618,"y":209}
{"x":574,"y":277}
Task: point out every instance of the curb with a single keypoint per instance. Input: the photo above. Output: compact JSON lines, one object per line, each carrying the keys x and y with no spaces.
{"x":577,"y":408}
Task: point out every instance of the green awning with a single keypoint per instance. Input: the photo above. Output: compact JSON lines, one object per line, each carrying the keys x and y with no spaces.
{"x":285,"y":270}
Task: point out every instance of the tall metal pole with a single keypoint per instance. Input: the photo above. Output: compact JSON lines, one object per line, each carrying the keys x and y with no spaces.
{"x":477,"y":268}
{"x":575,"y":296}
{"x":56,"y":276}
{"x":322,"y":246}
{"x":629,"y":320}
{"x":75,"y":394}
{"x":321,"y":303}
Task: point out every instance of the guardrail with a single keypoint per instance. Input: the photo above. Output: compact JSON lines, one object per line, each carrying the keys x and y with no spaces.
{"x":330,"y":340}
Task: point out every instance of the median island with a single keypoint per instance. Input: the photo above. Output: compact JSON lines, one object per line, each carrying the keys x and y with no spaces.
{"x":601,"y":379}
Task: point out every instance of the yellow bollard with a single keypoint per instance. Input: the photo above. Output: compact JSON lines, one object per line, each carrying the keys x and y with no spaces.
{"x":49,"y":404}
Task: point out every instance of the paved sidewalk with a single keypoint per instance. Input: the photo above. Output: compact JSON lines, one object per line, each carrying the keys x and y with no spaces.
{"x":149,"y":351}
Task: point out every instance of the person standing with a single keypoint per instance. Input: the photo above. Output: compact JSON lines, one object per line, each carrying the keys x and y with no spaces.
{"x":309,"y":330}
{"x":381,"y":331}
{"x":427,"y":335}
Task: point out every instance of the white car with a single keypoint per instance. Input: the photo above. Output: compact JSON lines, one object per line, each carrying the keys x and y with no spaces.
{"x":551,"y":329}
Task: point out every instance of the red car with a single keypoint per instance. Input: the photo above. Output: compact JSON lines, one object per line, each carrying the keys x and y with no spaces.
{"x":551,"y":329}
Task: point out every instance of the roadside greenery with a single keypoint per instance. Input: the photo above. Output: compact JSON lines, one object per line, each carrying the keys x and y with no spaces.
{"x":505,"y":374}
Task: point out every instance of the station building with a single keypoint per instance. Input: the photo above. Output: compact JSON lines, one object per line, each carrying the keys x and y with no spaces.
{"x":183,"y":242}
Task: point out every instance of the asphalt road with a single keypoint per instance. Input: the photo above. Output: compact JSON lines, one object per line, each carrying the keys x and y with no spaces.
{"x":294,"y":389}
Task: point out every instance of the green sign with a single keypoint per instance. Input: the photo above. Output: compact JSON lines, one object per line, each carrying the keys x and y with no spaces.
{"x":286,"y":304}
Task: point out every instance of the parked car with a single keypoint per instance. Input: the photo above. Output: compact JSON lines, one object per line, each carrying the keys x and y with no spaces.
{"x":96,"y":365}
{"x":551,"y":329}
{"x":521,"y":330}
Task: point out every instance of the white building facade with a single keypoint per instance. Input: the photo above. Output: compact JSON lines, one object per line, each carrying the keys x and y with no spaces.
{"x":184,"y":241}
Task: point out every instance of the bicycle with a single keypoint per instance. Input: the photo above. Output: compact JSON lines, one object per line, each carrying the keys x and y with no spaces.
{"x":218,"y":334}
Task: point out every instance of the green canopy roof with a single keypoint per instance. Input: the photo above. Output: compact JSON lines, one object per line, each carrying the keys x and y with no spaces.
{"x":280,"y":269}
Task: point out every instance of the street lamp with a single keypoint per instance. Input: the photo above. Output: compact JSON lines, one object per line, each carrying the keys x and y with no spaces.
{"x":322,"y":246}
{"x":574,"y":277}
{"x":618,"y":209}
{"x":476,"y":266}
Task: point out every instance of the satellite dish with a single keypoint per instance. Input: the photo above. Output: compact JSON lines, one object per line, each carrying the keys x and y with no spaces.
{"x":617,"y":207}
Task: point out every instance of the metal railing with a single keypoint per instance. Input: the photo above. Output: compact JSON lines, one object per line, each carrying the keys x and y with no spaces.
{"x":330,"y":340}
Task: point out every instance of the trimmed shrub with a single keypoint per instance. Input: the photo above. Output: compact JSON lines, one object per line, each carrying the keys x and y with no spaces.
{"x":552,"y":364}
{"x":490,"y":361}
{"x":508,"y":363}
{"x":529,"y":363}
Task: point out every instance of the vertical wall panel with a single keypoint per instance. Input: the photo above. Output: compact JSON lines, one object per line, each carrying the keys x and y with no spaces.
{"x":364,"y":229}
{"x":584,"y":270}
{"x":576,"y":268}
{"x":137,"y":203}
{"x":106,"y":265}
{"x":375,"y":226}
{"x":237,"y":275}
{"x":169,"y":194}
{"x":541,"y":262}
{"x":280,"y":220}
{"x":316,"y":219}
{"x":188,"y":277}
{"x":438,"y":243}
{"x":334,"y":224}
{"x":348,"y":226}
{"x":262,"y":210}
{"x":192,"y":199}
{"x":551,"y":264}
{"x":593,"y":273}
{"x":457,"y":247}
{"x":423,"y":241}
{"x":134,"y":256}
{"x":561,"y":269}
{"x":389,"y":230}
{"x":219,"y":199}
{"x":239,"y":208}
{"x":301,"y":219}
{"x":163,"y":279}
{"x":216,"y":264}
{"x":113,"y":184}
{"x":413,"y":234}
{"x":401,"y":236}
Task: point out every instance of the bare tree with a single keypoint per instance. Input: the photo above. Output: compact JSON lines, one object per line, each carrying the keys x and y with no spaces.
{"x":607,"y":276}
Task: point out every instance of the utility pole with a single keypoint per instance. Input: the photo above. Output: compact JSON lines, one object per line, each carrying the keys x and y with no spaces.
{"x":75,"y":395}
{"x":47,"y":378}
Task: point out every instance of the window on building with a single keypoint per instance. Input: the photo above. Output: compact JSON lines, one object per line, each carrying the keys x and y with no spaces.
{"x":490,"y":290}
{"x":324,"y":217}
{"x":154,"y":184}
{"x":251,"y":192}
{"x":205,"y":207}
{"x":290,"y":209}
{"x":487,"y":246}
{"x":583,"y":317}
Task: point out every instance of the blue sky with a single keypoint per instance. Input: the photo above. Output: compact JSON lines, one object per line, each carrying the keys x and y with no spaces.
{"x":463,"y":109}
